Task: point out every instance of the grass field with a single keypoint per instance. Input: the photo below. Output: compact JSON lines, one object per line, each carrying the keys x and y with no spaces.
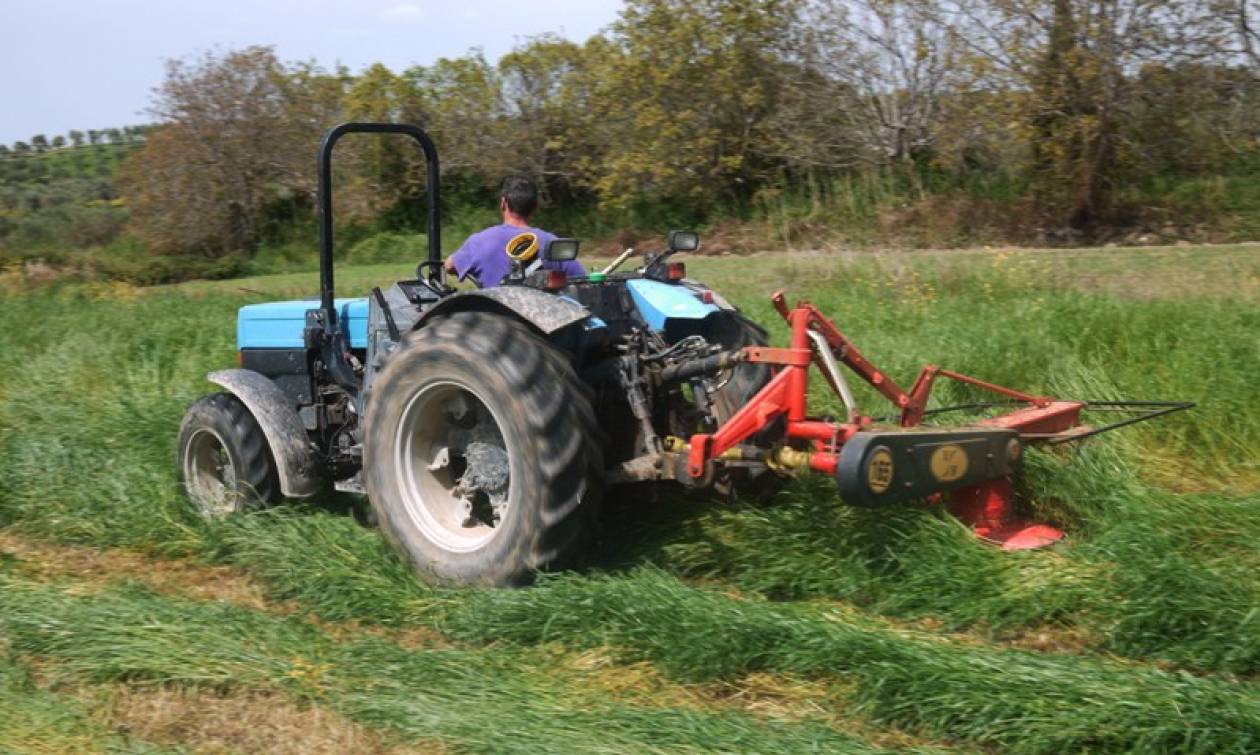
{"x":127,"y":624}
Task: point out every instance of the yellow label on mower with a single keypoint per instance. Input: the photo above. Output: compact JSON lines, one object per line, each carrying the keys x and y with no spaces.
{"x":879,"y":470}
{"x":949,"y":463}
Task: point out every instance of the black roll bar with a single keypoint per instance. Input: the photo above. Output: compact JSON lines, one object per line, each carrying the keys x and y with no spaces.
{"x":324,"y":170}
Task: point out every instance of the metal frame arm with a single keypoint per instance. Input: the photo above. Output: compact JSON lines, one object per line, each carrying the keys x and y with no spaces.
{"x":324,"y":171}
{"x":845,"y":351}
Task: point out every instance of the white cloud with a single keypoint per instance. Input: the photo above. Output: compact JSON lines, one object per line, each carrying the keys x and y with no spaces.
{"x":403,"y":12}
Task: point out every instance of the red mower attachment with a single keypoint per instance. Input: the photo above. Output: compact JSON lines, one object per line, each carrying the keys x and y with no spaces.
{"x":968,"y":468}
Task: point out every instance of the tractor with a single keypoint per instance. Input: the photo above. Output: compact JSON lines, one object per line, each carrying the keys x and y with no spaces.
{"x":484,"y":426}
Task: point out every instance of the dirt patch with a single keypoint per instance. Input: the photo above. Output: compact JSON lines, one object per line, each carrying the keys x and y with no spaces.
{"x":186,"y":580}
{"x":598,"y":673}
{"x":168,"y":577}
{"x":1074,"y":640}
{"x":765,"y":696}
{"x":722,"y":239}
{"x":410,"y":638}
{"x":205,"y":722}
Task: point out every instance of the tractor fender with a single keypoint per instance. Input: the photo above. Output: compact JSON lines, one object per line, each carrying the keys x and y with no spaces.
{"x":286,"y":436}
{"x":546,"y":312}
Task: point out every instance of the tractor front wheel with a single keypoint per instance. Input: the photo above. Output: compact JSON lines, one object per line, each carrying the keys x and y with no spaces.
{"x":480,"y":455}
{"x":225,"y":464}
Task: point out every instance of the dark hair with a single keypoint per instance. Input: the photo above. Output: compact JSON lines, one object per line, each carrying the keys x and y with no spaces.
{"x":521,"y":194}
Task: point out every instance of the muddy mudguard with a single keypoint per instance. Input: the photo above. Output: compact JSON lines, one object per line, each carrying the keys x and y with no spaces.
{"x":295,"y":459}
{"x":546,"y":312}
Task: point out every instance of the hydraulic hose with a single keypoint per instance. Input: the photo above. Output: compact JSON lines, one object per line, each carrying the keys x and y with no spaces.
{"x":677,"y":373}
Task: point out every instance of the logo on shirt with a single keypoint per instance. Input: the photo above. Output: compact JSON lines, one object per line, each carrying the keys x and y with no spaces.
{"x":523,"y":247}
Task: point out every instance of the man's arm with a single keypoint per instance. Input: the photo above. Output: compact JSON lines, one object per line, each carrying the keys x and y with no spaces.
{"x":460,"y":263}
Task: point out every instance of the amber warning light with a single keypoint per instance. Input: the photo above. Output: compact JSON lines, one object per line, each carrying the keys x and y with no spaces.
{"x":556,"y":280}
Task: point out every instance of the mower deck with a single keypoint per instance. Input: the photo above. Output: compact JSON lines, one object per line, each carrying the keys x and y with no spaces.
{"x":875,"y":466}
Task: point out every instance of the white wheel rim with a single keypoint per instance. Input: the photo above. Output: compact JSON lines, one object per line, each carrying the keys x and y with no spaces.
{"x":209,"y":475}
{"x":453,"y":466}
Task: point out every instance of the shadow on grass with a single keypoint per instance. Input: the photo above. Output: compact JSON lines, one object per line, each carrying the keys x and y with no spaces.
{"x":801,"y":533}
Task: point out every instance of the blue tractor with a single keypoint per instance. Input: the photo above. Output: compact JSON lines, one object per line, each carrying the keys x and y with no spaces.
{"x":483,"y":425}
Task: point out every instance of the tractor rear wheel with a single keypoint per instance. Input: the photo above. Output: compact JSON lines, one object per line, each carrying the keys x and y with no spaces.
{"x":744,"y":382}
{"x":481,"y":453}
{"x":225,"y":464}
{"x":746,"y":379}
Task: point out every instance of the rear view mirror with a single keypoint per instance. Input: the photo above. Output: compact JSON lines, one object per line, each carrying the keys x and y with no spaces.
{"x":682,"y":241}
{"x":562,"y":250}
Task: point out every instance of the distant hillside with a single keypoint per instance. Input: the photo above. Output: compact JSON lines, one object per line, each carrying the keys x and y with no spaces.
{"x":57,"y":195}
{"x":78,"y":154}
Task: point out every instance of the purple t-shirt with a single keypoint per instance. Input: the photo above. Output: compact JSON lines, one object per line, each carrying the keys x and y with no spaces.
{"x":484,"y":255}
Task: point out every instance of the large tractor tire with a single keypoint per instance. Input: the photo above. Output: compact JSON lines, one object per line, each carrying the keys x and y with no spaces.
{"x":225,"y":464}
{"x":746,"y":379}
{"x":481,"y":453}
{"x":744,"y":382}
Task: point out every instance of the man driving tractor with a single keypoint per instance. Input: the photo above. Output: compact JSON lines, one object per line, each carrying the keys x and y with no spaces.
{"x":487,"y":255}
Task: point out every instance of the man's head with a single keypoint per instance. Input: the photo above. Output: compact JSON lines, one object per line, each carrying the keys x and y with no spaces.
{"x":519,"y":197}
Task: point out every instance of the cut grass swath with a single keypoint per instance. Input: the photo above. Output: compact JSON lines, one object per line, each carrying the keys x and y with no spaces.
{"x":480,"y":700}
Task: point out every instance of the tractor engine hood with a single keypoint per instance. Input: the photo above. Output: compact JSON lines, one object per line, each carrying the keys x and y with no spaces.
{"x":659,"y":302}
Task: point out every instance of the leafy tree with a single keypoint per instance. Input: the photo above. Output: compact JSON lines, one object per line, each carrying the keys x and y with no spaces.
{"x":684,"y":93}
{"x":870,"y":75}
{"x":58,"y":142}
{"x":228,"y":148}
{"x":708,"y":104}
{"x":40,"y":143}
{"x":1075,"y":59}
{"x":36,"y":170}
{"x":545,"y":90}
{"x":375,"y":95}
{"x":76,"y":138}
{"x":460,"y":101}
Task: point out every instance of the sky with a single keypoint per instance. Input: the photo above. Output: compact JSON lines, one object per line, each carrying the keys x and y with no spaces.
{"x":92,"y":64}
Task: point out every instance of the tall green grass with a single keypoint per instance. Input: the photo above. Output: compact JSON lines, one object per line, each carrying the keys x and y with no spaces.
{"x":482,"y":701}
{"x":1151,"y":598}
{"x":1020,"y":701}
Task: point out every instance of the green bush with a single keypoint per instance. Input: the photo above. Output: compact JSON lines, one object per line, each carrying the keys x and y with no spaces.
{"x":128,"y":259}
{"x":388,"y":247}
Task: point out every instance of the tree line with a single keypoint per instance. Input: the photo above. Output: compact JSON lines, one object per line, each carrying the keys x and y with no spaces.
{"x":1053,"y":119}
{"x":40,"y":143}
{"x":76,"y":154}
